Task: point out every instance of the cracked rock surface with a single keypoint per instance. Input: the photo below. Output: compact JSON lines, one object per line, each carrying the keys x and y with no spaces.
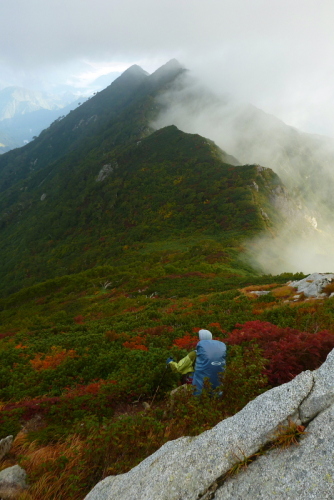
{"x":322,"y":395}
{"x":300,"y":472}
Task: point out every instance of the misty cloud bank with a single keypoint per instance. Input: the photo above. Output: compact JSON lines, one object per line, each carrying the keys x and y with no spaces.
{"x":287,"y":252}
{"x":304,"y":162}
{"x":276,"y":54}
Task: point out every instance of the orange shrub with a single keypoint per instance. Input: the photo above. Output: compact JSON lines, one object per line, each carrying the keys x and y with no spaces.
{"x":283,"y":292}
{"x":112,"y":335}
{"x":136,"y":343}
{"x":44,"y":362}
{"x":20,"y":346}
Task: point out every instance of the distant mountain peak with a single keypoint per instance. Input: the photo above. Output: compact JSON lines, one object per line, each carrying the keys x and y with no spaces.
{"x":134,"y":74}
{"x":173,"y":64}
{"x":167,"y":72}
{"x":135,"y":70}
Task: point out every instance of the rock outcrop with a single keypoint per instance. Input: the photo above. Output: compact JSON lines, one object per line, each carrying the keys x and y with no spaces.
{"x":12,"y":482}
{"x":194,"y":468}
{"x":313,"y":285}
{"x":5,"y":445}
{"x":303,"y":472}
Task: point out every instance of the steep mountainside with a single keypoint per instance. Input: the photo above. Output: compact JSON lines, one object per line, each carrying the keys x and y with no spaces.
{"x":303,"y":161}
{"x":75,"y":215}
{"x":113,"y":117}
{"x":91,"y":184}
{"x":96,"y":182}
{"x":303,"y":409}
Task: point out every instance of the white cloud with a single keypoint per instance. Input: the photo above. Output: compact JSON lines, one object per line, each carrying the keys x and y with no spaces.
{"x":274,"y":53}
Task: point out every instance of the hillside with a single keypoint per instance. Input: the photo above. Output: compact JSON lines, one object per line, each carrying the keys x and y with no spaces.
{"x":282,"y":450}
{"x":117,"y":243}
{"x":88,"y":191}
{"x":81,"y":353}
{"x":170,"y":185}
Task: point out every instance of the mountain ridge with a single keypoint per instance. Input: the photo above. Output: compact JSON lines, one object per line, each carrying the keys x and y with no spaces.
{"x":165,"y":185}
{"x":95,"y":115}
{"x":302,"y":160}
{"x":94,"y":172}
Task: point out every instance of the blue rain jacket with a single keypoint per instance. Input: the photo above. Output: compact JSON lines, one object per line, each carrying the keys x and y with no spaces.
{"x":210,"y":363}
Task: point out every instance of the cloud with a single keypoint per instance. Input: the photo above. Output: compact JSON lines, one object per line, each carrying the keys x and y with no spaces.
{"x":39,"y":31}
{"x":276,"y":54}
{"x":288,"y":252}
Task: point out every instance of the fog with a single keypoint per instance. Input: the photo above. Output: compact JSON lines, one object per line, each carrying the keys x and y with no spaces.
{"x":288,"y":252}
{"x":275,"y":54}
{"x":304,"y":163}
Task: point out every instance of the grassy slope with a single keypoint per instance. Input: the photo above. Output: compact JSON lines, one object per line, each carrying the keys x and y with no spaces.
{"x":84,"y":350}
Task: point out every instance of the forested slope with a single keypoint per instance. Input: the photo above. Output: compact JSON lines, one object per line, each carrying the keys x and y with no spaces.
{"x":83,"y":214}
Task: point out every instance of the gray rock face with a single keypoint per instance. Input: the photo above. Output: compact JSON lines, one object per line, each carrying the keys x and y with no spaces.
{"x":106,"y":170}
{"x":303,"y":472}
{"x":322,"y":394}
{"x":313,"y":285}
{"x":12,"y":482}
{"x":5,"y":445}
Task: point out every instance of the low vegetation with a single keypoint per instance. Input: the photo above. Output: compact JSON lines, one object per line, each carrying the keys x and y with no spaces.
{"x":81,"y":354}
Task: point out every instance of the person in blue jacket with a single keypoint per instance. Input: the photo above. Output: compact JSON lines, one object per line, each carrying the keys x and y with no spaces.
{"x":207,"y":361}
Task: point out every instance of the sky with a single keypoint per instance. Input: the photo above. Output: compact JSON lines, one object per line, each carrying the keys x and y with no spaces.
{"x":276,"y":54}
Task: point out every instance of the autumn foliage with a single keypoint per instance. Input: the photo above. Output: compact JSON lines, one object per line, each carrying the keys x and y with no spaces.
{"x":187,"y":342}
{"x":136,"y":343}
{"x":44,"y":362}
{"x":288,"y":351}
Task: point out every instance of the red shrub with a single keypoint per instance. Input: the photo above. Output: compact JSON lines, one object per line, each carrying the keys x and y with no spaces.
{"x":159,"y":330}
{"x":287,"y":350}
{"x":7,"y":334}
{"x":89,"y":389}
{"x":186,"y":342}
{"x":136,"y":343}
